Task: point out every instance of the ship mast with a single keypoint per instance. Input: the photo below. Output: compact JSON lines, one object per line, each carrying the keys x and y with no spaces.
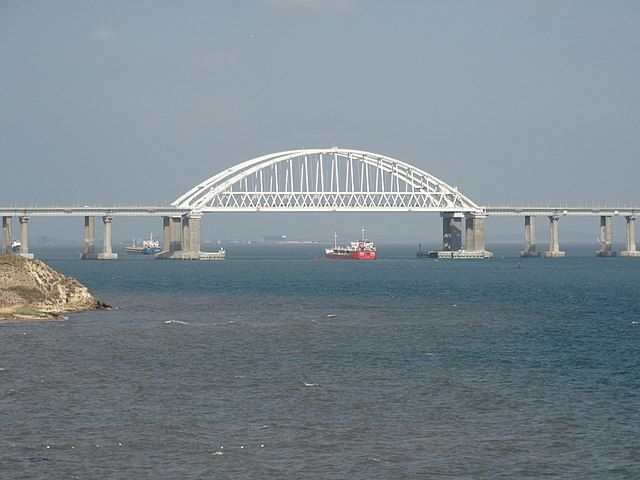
{"x":363,"y":234}
{"x":335,"y":239}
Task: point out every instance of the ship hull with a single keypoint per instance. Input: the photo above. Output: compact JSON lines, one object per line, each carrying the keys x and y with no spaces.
{"x":143,"y":250}
{"x":352,"y":255}
{"x":360,"y":250}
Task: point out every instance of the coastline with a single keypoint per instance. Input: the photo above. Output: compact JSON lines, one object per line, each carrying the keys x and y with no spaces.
{"x":31,"y":291}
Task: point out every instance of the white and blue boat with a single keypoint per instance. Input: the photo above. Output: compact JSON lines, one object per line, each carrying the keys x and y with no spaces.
{"x":146,"y":247}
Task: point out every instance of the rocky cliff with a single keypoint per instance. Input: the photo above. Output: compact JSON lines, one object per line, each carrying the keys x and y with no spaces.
{"x":30,"y":290}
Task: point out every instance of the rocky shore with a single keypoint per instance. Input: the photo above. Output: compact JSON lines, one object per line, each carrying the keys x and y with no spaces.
{"x":30,"y":290}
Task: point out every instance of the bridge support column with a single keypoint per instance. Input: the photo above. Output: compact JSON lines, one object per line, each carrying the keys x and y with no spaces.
{"x":605,"y":238}
{"x":478,"y":233}
{"x":452,"y":237}
{"x":186,"y":238}
{"x":451,"y":232}
{"x":6,"y":234}
{"x":191,"y":236}
{"x":181,"y":237}
{"x":107,"y":252}
{"x":475,"y":226}
{"x":24,"y":237}
{"x":166,"y":234}
{"x":175,"y":226}
{"x":554,"y":246}
{"x":529,"y":238}
{"x":171,"y":238}
{"x":631,"y":250}
{"x":89,"y":239}
{"x":470,"y":233}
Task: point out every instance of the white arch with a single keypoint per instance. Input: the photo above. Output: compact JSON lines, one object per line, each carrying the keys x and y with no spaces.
{"x":326,"y":179}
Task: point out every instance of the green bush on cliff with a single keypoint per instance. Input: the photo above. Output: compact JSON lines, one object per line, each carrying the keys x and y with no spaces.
{"x":31,"y":295}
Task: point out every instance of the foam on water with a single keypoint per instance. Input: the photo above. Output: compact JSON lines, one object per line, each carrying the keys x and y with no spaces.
{"x":176,"y":322}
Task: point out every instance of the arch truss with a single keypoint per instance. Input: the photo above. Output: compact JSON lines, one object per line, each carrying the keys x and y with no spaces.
{"x":332,"y":179}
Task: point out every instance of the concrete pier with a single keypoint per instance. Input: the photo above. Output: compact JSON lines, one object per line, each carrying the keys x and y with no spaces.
{"x":631,"y":250}
{"x":475,"y":228}
{"x":452,"y":237}
{"x":478,"y":233}
{"x":451,"y":232}
{"x":554,"y":246}
{"x":469,"y":233}
{"x":182,"y":236}
{"x":191,"y":236}
{"x":605,"y":238}
{"x":166,"y":234}
{"x":89,"y":239}
{"x":107,"y":252}
{"x":24,"y":237}
{"x":530,"y":238}
{"x":171,"y":238}
{"x":175,"y":226}
{"x":7,"y":238}
{"x":186,"y":237}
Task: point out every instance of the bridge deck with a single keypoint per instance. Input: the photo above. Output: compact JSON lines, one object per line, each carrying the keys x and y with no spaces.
{"x":169,"y":211}
{"x":562,"y":211}
{"x":89,"y":211}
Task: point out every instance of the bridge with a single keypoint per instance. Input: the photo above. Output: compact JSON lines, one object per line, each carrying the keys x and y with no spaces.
{"x":330,"y":179}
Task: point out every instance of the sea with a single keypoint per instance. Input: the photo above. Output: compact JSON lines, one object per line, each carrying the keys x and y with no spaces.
{"x":278,"y":364}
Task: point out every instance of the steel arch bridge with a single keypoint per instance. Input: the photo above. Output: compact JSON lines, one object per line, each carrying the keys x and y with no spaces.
{"x":328,"y":179}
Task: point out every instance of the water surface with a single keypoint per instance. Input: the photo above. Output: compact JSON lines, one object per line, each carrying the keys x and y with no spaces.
{"x":272,"y":364}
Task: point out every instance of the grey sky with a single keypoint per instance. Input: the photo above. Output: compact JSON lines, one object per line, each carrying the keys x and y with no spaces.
{"x":511,"y":101}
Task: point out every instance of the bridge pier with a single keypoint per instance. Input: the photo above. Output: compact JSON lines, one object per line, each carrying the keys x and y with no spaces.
{"x":470,"y":225}
{"x":605,"y":237}
{"x":175,"y":228}
{"x":24,"y":237}
{"x":452,"y":236}
{"x":171,"y":238}
{"x":6,"y":234}
{"x":181,"y":237}
{"x":475,"y":228}
{"x":529,"y":238}
{"x":192,"y":250}
{"x":186,"y":238}
{"x":166,"y":234}
{"x":89,"y":239}
{"x":107,"y":252}
{"x":451,"y":231}
{"x":631,"y":250}
{"x":554,"y":246}
{"x":190,"y":237}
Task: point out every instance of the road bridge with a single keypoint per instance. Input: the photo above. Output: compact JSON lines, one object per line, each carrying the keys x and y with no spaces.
{"x":329,"y":180}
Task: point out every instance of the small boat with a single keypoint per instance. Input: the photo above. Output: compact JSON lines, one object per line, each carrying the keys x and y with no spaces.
{"x":219,"y":255}
{"x":146,"y":247}
{"x":361,"y":250}
{"x":15,"y":246}
{"x":426,"y":253}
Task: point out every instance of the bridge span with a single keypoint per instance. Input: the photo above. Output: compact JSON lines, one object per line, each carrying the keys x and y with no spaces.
{"x":327,"y":180}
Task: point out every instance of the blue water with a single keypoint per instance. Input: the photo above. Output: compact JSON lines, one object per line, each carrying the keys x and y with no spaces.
{"x":278,"y":365}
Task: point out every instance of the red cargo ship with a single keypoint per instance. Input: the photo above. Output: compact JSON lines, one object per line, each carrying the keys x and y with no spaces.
{"x":362,"y":250}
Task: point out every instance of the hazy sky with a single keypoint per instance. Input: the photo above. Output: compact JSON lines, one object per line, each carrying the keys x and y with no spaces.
{"x":136,"y":101}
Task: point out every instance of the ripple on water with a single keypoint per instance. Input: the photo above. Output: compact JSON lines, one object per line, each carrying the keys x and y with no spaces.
{"x":427,"y":369}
